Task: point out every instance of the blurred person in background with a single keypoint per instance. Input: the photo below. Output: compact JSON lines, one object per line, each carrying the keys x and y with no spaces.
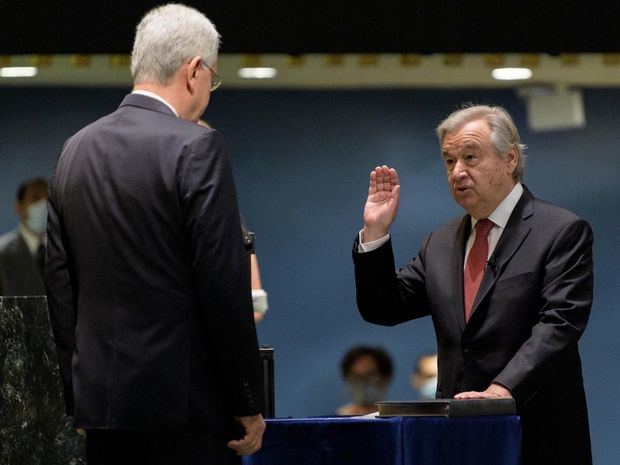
{"x":424,"y":376}
{"x":367,"y":373}
{"x":22,"y":251}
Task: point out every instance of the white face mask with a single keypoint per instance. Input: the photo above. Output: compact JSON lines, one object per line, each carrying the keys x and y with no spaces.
{"x":428,"y":388}
{"x":37,"y":216}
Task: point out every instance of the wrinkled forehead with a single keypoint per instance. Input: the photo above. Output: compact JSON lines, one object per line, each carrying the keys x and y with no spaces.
{"x":473,"y":135}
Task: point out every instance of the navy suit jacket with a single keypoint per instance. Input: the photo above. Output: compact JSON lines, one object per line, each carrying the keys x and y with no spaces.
{"x":148,"y":280}
{"x":532,"y":306}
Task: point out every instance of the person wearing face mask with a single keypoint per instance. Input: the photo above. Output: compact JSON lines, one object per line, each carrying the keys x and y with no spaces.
{"x":22,"y":251}
{"x":424,"y":378}
{"x":367,"y":372}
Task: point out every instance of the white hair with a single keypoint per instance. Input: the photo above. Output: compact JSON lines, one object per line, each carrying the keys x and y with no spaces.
{"x":504,"y":133}
{"x":167,"y":37}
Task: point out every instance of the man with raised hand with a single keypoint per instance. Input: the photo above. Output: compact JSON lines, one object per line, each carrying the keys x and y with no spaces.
{"x":508,"y":285}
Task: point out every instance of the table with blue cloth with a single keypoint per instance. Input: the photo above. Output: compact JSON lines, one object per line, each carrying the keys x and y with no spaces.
{"x":483,"y":440}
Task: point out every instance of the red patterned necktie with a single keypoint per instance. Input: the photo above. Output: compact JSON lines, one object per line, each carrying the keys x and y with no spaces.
{"x":476,"y":261}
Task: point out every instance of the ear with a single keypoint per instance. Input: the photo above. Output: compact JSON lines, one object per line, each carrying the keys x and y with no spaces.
{"x":191,"y":73}
{"x":512,"y":157}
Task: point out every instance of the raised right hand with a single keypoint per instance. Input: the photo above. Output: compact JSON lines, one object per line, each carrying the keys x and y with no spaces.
{"x":382,"y":203}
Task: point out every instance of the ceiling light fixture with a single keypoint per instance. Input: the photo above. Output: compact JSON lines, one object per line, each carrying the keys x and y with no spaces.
{"x":258,"y":73}
{"x":511,"y":74}
{"x":19,"y":71}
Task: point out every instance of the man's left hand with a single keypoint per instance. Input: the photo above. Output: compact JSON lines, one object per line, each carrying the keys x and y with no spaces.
{"x":494,"y":391}
{"x":254,"y":427}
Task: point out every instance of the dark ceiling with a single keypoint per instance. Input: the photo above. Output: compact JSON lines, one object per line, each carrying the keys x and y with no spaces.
{"x":422,"y":26}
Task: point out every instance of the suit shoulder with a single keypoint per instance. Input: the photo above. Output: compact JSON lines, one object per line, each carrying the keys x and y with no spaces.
{"x":7,"y":240}
{"x":86,"y":131}
{"x":557,"y":223}
{"x":200,"y":132}
{"x":189,"y":131}
{"x":552,"y":213}
{"x":205,"y":141}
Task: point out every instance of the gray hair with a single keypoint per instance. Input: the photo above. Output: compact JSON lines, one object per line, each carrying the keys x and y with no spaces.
{"x":504,"y":133}
{"x":167,"y":37}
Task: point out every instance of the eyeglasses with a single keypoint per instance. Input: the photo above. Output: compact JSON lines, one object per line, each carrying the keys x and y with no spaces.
{"x":216,"y":80}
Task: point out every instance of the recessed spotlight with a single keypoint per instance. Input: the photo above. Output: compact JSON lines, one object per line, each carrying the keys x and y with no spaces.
{"x":511,"y":74}
{"x":19,"y":71}
{"x":258,"y":73}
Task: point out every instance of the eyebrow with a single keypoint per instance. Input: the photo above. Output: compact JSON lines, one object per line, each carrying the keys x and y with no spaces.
{"x":468,"y":145}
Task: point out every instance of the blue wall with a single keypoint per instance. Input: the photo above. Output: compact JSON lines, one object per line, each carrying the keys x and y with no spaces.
{"x":301,"y":161}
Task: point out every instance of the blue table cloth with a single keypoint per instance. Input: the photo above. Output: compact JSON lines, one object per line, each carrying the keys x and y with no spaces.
{"x":488,"y":440}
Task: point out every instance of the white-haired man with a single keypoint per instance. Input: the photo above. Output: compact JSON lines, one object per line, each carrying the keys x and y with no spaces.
{"x":147,"y":276}
{"x":509,"y":285}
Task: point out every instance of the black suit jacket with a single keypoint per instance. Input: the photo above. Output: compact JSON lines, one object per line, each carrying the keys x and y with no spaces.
{"x":19,"y":273}
{"x":532,"y":306}
{"x":148,"y":281}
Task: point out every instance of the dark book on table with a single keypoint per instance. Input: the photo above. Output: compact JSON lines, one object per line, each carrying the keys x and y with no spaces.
{"x":446,"y":407}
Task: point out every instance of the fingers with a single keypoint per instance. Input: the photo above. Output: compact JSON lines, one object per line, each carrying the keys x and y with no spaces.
{"x":383,"y":178}
{"x":470,"y":395}
{"x":252,"y":441}
{"x":247,"y":445}
{"x":478,"y":395}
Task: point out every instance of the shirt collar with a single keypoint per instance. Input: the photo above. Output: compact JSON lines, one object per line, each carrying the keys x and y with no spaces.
{"x":501,"y":214}
{"x":148,"y":93}
{"x":31,"y":239}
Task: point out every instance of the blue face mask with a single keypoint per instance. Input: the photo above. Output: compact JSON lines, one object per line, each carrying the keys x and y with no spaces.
{"x":428,"y":388}
{"x":37,"y":217}
{"x":365,"y":392}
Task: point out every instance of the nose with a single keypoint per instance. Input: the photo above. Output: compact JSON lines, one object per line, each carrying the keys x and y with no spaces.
{"x":459,"y":171}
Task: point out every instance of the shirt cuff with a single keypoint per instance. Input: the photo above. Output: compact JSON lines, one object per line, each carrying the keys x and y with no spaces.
{"x":372,"y":245}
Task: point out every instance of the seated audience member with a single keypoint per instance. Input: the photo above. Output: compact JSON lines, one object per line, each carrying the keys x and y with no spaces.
{"x":424,"y":377}
{"x":367,"y":372}
{"x":22,"y":251}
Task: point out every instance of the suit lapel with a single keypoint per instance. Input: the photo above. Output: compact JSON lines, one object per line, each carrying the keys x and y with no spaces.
{"x":458,"y":252}
{"x":513,"y":236}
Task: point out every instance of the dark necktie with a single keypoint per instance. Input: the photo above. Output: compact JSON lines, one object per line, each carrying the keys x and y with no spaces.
{"x":476,"y":261}
{"x":40,"y":257}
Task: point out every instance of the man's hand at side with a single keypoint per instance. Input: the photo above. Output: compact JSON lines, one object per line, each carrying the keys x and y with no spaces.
{"x":252,"y":440}
{"x":382,"y":203}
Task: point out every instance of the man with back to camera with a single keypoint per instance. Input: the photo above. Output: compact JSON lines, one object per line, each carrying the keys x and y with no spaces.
{"x":22,"y":251}
{"x":147,"y":276}
{"x":509,"y":285}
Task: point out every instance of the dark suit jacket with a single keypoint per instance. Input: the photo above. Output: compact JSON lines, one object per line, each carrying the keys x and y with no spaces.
{"x":19,"y":273}
{"x":532,"y":306}
{"x":148,"y":281}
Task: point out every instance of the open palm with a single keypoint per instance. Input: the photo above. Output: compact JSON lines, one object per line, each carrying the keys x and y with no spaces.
{"x":382,"y":202}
